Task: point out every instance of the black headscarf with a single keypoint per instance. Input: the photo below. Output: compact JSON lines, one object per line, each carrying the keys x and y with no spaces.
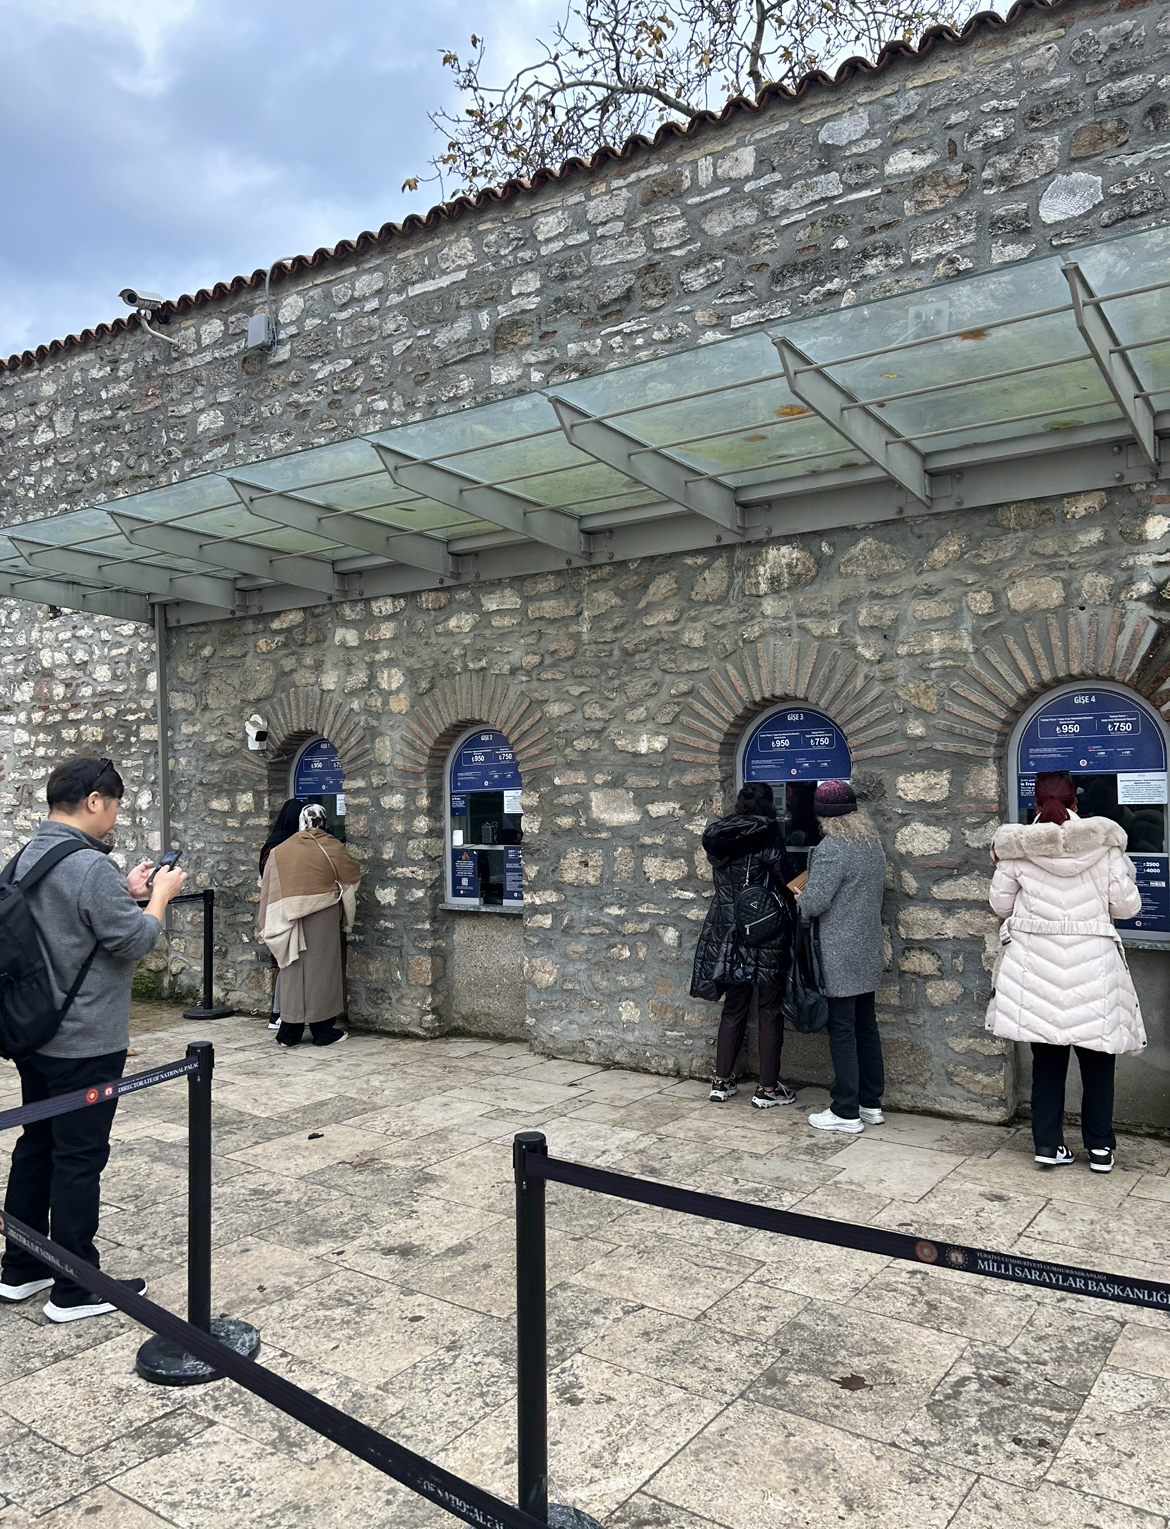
{"x":287,"y":823}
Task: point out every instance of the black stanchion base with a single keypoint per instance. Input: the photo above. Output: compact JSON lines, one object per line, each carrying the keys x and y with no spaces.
{"x":561,"y":1516}
{"x":164,"y":1363}
{"x":221,"y":1011}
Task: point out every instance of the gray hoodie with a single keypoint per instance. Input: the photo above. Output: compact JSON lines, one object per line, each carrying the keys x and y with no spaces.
{"x":80,"y":903}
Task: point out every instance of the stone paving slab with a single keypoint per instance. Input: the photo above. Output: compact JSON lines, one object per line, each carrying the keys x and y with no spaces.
{"x":363,"y":1208}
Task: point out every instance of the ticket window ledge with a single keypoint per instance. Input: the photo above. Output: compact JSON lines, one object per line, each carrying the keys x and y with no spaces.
{"x":452,"y":905}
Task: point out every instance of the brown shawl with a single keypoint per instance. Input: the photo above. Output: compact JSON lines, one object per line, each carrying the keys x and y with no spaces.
{"x":306,"y":873}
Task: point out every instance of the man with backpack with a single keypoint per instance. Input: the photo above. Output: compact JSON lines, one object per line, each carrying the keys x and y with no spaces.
{"x":746,"y":940}
{"x":66,"y":1016}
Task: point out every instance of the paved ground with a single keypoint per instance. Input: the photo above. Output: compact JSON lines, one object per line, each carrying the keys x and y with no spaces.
{"x":362,"y":1222}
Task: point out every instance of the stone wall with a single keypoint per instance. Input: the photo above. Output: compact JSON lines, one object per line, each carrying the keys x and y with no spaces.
{"x":625,"y":687}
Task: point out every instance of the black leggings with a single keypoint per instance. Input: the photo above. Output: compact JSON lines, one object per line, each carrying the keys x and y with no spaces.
{"x":859,"y":1078}
{"x":1049,"y":1071}
{"x":733,"y":1022}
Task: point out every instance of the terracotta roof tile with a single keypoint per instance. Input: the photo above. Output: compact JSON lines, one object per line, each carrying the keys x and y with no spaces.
{"x":460,"y":206}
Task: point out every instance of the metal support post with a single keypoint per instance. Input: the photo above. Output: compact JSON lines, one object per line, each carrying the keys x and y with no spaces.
{"x":209,"y":1009}
{"x":531,"y":1331}
{"x":160,"y":1359}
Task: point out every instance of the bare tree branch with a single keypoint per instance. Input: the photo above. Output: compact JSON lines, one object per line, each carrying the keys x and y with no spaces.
{"x":613,"y":68}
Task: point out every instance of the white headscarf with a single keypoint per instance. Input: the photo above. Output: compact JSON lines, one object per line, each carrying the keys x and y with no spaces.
{"x":312,"y":816}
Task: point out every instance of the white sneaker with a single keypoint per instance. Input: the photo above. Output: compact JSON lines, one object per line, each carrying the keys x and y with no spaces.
{"x":22,"y":1292}
{"x":872,"y":1117}
{"x":827,"y":1121}
{"x":93,"y":1306}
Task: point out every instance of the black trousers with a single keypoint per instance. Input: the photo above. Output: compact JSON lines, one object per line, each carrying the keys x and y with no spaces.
{"x":859,"y":1075}
{"x":733,"y":1022}
{"x":1049,"y":1071}
{"x":54,"y":1183}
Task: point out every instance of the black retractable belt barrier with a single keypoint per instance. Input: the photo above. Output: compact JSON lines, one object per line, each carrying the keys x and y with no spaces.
{"x":1128,"y":1290}
{"x":460,"y":1498}
{"x":208,"y":1009}
{"x":160,"y":1359}
{"x":98,"y":1093}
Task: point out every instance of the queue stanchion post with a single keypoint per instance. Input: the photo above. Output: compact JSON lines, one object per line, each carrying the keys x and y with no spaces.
{"x":160,"y":1359}
{"x":531,"y":1330}
{"x":208,"y":1009}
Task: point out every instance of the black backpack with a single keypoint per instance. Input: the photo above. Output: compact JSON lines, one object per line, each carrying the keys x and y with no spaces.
{"x":760,"y":916}
{"x":29,"y":1016}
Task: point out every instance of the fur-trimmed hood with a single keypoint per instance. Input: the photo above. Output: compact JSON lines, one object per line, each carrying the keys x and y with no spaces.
{"x":1064,"y":848}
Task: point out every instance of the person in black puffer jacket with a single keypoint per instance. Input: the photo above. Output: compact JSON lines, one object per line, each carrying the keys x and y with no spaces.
{"x":745,"y":847}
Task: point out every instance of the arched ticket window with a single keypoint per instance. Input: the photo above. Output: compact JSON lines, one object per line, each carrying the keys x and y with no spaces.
{"x":1115,"y":749}
{"x":484,"y":864}
{"x":316,"y":776}
{"x":793,"y":747}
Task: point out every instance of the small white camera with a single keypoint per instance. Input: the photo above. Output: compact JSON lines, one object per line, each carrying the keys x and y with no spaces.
{"x":140,"y":300}
{"x":256,"y":729}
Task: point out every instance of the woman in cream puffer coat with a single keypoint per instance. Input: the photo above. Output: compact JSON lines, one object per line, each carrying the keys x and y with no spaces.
{"x":1062,"y":981}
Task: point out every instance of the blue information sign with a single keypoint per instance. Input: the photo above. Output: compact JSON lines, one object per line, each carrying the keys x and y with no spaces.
{"x":318,"y":772}
{"x":796,"y":744}
{"x":1092,"y":732}
{"x":1152,"y":884}
{"x":464,"y":874}
{"x":486,"y":762}
{"x":513,"y":874}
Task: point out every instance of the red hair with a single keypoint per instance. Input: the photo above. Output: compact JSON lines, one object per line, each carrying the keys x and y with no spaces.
{"x":1055,"y":796}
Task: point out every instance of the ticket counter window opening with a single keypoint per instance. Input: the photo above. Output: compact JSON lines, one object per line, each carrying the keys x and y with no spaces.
{"x":485,"y":867}
{"x":792,"y":748}
{"x":1115,"y":749}
{"x":316,"y":777}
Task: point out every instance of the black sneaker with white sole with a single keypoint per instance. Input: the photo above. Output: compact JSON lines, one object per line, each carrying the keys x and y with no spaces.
{"x":769,"y":1098}
{"x":21,"y":1292}
{"x":722,"y":1089}
{"x":1101,"y":1159}
{"x":1054,"y":1157}
{"x":90,"y":1305}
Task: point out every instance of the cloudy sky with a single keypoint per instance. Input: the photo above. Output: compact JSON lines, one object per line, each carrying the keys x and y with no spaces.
{"x":170,"y":144}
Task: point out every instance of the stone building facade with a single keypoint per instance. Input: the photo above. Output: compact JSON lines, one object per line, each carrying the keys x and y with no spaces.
{"x":625,"y":688}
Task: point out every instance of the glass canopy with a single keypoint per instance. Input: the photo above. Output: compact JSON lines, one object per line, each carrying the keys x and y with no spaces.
{"x":679,"y":450}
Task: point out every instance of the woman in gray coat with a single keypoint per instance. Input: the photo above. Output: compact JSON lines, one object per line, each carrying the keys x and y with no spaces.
{"x":846,"y":880}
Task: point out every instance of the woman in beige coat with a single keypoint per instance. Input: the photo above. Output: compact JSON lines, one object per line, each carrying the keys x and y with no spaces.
{"x":1062,"y":981}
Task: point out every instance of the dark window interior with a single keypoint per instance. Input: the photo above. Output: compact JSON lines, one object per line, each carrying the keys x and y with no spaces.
{"x":1145,"y":825}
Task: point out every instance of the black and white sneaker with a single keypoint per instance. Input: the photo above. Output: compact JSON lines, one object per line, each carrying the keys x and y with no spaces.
{"x":722,"y":1089}
{"x":1101,"y":1159}
{"x":91,"y":1305}
{"x":1054,"y":1157}
{"x":769,"y":1098}
{"x":22,"y":1292}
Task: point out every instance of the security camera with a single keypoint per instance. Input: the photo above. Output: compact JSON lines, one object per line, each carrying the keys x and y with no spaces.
{"x":256,"y":729}
{"x":140,"y":300}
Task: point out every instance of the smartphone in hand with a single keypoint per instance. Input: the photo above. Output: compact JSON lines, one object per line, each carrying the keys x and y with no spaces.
{"x":166,"y":863}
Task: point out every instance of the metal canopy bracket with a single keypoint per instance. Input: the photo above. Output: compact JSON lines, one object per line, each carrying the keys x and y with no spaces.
{"x":244,"y":558}
{"x":484,"y":501}
{"x":605,"y":442}
{"x":77,"y":597}
{"x":825,"y":396}
{"x":143,"y":578}
{"x":409,"y":547}
{"x":1112,"y":362}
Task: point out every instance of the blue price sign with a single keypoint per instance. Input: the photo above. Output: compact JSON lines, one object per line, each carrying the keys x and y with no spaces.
{"x":318,"y":771}
{"x":1152,"y":884}
{"x":513,"y":874}
{"x":796,"y":744}
{"x":464,"y":874}
{"x":486,"y":762}
{"x":1092,"y":732}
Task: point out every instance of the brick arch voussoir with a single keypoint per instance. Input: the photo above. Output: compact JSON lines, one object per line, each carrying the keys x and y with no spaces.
{"x":470,"y":700}
{"x":303,"y":714}
{"x":802,"y":669}
{"x":1111,"y":642}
